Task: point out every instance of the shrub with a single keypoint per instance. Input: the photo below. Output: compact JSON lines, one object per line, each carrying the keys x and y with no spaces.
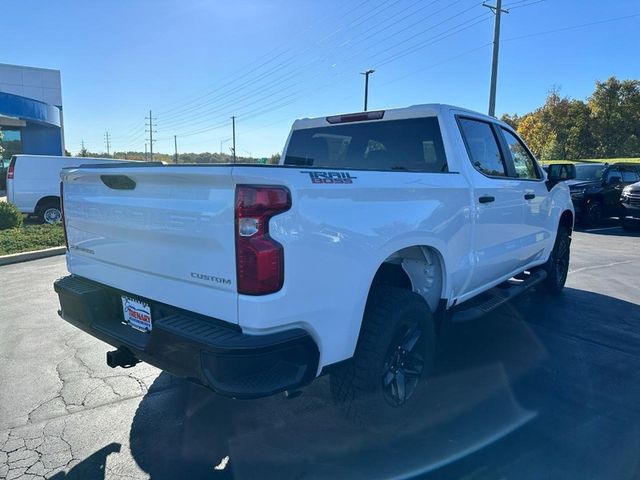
{"x":10,"y":216}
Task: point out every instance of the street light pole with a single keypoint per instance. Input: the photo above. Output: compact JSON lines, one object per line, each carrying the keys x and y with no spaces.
{"x":366,"y":86}
{"x":233,"y":126}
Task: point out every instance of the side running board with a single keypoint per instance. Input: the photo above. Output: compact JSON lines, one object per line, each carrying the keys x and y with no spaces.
{"x":497,"y":296}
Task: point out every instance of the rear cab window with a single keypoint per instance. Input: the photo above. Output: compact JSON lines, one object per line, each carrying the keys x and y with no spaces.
{"x":413,"y":145}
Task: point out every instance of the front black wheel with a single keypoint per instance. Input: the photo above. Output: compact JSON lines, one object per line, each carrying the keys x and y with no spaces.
{"x":388,"y":375}
{"x":594,"y":213}
{"x":557,"y":267}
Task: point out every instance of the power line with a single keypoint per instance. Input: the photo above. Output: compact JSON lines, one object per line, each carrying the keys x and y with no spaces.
{"x":436,"y":38}
{"x":232,"y":82}
{"x":288,"y":62}
{"x":572,"y":27}
{"x":287,"y":76}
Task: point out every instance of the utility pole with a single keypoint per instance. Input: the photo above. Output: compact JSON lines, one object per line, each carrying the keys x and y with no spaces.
{"x":145,"y":152}
{"x":233,"y":126}
{"x":175,"y":143}
{"x":366,"y":86}
{"x":106,"y":139}
{"x":498,"y":11}
{"x":151,"y":131}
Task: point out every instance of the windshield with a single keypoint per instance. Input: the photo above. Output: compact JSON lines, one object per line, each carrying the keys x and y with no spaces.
{"x":589,"y":172}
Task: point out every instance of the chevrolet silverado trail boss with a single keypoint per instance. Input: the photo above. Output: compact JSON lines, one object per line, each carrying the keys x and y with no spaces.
{"x":253,"y":280}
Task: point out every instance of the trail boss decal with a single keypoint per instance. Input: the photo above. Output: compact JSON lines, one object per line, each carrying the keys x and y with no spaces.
{"x":330,"y":177}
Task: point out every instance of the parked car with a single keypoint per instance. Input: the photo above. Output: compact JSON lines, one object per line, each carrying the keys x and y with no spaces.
{"x":630,"y":200}
{"x":3,"y":173}
{"x":596,"y":190}
{"x":33,"y":183}
{"x":256,"y":279}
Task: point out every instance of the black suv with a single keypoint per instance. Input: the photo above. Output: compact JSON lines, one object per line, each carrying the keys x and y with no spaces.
{"x":597,"y":188}
{"x":630,"y":216}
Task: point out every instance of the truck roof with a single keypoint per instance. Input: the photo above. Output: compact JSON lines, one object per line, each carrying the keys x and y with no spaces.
{"x":413,"y":111}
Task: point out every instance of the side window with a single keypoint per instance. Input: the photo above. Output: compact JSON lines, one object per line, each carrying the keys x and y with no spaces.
{"x":629,"y":176}
{"x":614,"y":172}
{"x":482,"y":147}
{"x":523,"y":162}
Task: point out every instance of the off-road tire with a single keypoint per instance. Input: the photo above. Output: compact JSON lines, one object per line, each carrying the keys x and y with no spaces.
{"x":357,"y":386}
{"x":557,"y":267}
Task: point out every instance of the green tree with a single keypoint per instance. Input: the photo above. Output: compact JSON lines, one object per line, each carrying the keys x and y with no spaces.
{"x":615,"y":113}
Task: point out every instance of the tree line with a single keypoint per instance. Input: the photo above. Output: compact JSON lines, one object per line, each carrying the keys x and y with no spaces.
{"x":606,"y":125}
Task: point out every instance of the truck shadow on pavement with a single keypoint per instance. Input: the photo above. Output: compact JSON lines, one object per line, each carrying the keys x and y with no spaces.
{"x":93,"y":467}
{"x":544,"y":387}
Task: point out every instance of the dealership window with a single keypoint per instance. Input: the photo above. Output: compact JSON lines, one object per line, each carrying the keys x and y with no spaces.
{"x":11,"y":141}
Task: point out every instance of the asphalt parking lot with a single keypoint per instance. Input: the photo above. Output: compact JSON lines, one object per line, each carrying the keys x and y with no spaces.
{"x":543,"y":388}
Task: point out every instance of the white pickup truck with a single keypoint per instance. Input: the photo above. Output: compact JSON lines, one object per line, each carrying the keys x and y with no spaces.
{"x":343,"y":259}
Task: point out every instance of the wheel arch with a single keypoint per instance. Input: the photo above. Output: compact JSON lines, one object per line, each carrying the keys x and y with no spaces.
{"x":49,"y":199}
{"x":567,"y":220}
{"x":418,"y":268}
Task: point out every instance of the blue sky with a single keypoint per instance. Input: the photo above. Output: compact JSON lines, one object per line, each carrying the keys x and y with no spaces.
{"x":197,"y":62}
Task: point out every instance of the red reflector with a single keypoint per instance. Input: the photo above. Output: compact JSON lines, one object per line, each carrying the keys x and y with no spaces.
{"x":11,"y":169}
{"x":259,"y":258}
{"x":356,"y":117}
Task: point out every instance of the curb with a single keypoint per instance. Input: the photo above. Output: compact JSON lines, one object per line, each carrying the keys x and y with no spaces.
{"x":27,"y":256}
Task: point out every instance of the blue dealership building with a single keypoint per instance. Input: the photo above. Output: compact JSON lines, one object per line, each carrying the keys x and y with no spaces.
{"x":30,"y":111}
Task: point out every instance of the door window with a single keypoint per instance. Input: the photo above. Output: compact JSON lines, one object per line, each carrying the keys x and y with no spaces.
{"x":482,"y":147}
{"x":523,"y":161}
{"x":629,"y":176}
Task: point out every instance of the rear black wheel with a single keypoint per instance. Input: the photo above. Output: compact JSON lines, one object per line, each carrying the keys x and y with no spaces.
{"x":49,"y":213}
{"x":557,"y":267}
{"x":387,"y":377}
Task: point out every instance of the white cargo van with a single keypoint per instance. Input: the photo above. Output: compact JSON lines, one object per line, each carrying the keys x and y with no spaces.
{"x":33,"y":183}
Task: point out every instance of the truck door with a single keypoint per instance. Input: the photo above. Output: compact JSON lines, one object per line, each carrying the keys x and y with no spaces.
{"x":498,"y":203}
{"x":538,"y":224}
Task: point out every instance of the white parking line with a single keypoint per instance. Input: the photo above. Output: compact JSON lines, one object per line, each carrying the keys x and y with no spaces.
{"x":600,"y":229}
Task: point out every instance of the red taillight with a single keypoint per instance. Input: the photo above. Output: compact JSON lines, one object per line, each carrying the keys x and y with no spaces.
{"x":259,"y":258}
{"x":64,"y":224}
{"x":11,"y":169}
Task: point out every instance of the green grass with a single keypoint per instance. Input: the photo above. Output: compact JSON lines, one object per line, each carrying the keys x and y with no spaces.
{"x":30,"y":237}
{"x":594,"y":160}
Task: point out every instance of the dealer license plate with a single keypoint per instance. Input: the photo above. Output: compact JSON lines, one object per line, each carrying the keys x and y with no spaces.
{"x":137,"y":314}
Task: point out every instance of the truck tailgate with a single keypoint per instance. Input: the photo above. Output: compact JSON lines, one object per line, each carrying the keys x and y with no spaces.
{"x":169,"y":237}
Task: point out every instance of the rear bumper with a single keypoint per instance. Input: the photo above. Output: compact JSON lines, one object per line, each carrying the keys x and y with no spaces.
{"x":206,"y":350}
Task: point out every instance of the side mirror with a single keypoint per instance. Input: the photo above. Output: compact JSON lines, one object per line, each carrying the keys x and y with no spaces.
{"x":615,"y":180}
{"x":559,"y":172}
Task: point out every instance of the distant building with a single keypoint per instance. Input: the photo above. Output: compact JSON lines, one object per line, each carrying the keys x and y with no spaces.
{"x":31,"y":111}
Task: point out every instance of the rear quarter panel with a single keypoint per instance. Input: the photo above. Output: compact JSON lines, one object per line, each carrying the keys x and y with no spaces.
{"x":337,"y":235}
